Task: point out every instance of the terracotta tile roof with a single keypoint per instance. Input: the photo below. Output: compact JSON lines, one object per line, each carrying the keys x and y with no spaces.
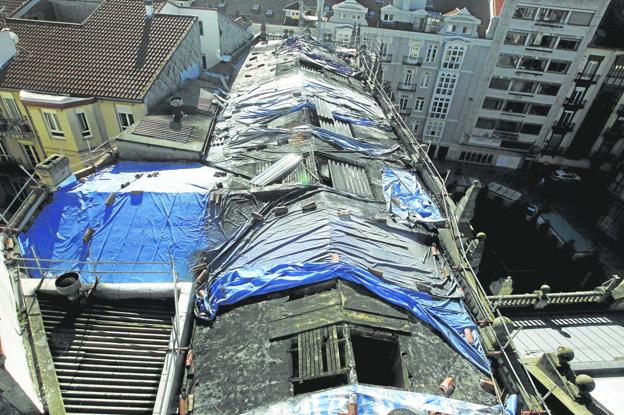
{"x":115,"y":53}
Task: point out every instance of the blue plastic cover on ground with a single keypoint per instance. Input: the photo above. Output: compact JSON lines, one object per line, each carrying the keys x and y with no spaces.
{"x":373,"y":400}
{"x":448,"y":317}
{"x":405,"y":197}
{"x":150,"y":219}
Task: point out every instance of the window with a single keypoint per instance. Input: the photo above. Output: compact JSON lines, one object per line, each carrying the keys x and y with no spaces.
{"x":424,"y":80}
{"x":539,"y":109}
{"x":566,"y":117}
{"x":516,"y":38}
{"x":507,"y":61}
{"x":568,"y":44}
{"x":12,"y":111}
{"x":446,"y":84}
{"x":474,"y":157}
{"x":204,"y":63}
{"x":552,"y":15}
{"x":388,"y":17}
{"x":415,"y":126}
{"x":32,"y":155}
{"x":515,"y":107}
{"x":546,"y":88}
{"x":618,"y":184}
{"x":408,"y":76}
{"x":201,"y":28}
{"x":453,"y":57}
{"x":433,"y":130}
{"x":485,"y":123}
{"x":580,"y":18}
{"x":532,"y":129}
{"x":508,"y":126}
{"x":126,"y":116}
{"x":498,"y":82}
{"x":532,"y":64}
{"x":465,"y":30}
{"x":53,"y":124}
{"x":577,"y":95}
{"x":383,"y":48}
{"x":558,"y":66}
{"x":520,"y":85}
{"x":541,"y":40}
{"x":403,"y":102}
{"x":432,"y":51}
{"x":420,"y":104}
{"x":414,"y":51}
{"x":526,"y":13}
{"x":492,"y":103}
{"x":83,"y":123}
{"x":590,"y":69}
{"x":452,"y":28}
{"x":342,"y":15}
{"x":439,"y":107}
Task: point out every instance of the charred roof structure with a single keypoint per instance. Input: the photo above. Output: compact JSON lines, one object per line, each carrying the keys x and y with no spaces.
{"x":313,"y":240}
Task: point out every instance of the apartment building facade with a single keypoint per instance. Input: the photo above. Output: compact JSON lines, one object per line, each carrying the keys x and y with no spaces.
{"x":533,"y":83}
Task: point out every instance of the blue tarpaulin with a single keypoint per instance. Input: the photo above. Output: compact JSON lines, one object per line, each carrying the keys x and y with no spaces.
{"x":374,"y":400}
{"x":406,"y":197}
{"x":366,"y":122}
{"x":448,"y":317}
{"x":151,"y":220}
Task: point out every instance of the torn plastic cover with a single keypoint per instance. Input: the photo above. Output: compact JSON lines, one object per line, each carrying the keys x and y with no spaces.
{"x":448,"y":317}
{"x":407,"y":198}
{"x":315,"y":53}
{"x":149,"y":219}
{"x":374,"y":400}
{"x":400,"y":254}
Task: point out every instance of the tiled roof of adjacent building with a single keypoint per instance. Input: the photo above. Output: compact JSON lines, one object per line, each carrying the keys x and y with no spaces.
{"x":114,"y":53}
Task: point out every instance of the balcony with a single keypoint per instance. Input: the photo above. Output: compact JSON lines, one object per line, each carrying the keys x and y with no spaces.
{"x":385,"y":57}
{"x":410,"y":60}
{"x":403,"y":86}
{"x":504,"y":135}
{"x":15,"y":127}
{"x":405,"y":111}
{"x":620,"y":111}
{"x":562,"y":127}
{"x":574,"y":104}
{"x":583,"y":78}
{"x":614,"y":132}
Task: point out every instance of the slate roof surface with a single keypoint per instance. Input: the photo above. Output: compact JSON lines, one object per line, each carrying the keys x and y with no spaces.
{"x":114,"y":53}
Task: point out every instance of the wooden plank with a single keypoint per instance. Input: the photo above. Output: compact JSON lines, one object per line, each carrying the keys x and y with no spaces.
{"x":305,"y":305}
{"x":336,"y":351}
{"x":316,"y":319}
{"x":319,"y":350}
{"x":300,"y":355}
{"x":327,"y":347}
{"x":372,"y":320}
{"x":361,"y":302}
{"x":315,"y":353}
{"x":308,"y":355}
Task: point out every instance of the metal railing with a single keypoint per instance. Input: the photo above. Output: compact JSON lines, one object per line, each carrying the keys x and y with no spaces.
{"x":407,"y":86}
{"x":411,"y":60}
{"x":16,"y":126}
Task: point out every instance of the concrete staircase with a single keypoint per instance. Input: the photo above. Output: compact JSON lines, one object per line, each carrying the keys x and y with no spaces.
{"x":108,"y":355}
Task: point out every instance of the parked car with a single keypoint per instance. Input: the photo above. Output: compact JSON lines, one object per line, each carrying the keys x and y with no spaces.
{"x":565,"y":176}
{"x":269,"y":13}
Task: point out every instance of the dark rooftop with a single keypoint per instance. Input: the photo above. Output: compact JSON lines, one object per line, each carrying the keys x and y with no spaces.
{"x":115,"y":53}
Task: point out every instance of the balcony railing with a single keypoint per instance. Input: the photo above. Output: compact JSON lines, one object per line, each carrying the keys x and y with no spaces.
{"x":614,"y":132}
{"x":620,"y":111}
{"x":386,"y":57}
{"x":563,"y":127}
{"x":405,"y":86}
{"x":410,"y":60}
{"x":574,"y":104}
{"x":586,"y":78}
{"x":405,"y":111}
{"x":15,"y":127}
{"x":505,"y":135}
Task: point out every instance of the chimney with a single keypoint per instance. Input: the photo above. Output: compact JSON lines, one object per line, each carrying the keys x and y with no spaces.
{"x":149,"y":9}
{"x":8,"y":42}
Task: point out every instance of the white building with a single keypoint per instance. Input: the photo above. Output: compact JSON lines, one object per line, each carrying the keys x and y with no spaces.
{"x":220,"y":36}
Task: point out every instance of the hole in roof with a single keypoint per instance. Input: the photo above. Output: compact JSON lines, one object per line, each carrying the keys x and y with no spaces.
{"x":66,"y":11}
{"x":377,"y":359}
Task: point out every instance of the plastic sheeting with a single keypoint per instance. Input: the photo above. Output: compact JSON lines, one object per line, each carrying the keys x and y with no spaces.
{"x":406,"y":198}
{"x":372,"y":400}
{"x":308,"y":235}
{"x":151,"y":218}
{"x":447,"y":317}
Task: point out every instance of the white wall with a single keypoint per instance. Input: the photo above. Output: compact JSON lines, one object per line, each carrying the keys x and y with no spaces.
{"x":13,"y":339}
